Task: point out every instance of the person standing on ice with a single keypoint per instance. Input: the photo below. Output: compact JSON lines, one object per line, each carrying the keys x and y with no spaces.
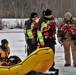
{"x":67,"y":36}
{"x":31,"y":33}
{"x":46,"y":32}
{"x":4,"y":53}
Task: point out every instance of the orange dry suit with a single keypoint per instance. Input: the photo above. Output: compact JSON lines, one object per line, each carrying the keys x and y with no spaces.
{"x":4,"y":56}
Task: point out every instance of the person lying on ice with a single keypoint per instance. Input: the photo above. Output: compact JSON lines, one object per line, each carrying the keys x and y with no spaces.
{"x":4,"y":52}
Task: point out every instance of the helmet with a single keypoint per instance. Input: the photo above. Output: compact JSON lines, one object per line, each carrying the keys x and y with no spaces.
{"x":48,"y":12}
{"x":4,"y":41}
{"x":34,"y":14}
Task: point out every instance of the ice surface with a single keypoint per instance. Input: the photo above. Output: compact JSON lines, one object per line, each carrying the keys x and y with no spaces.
{"x":17,"y":44}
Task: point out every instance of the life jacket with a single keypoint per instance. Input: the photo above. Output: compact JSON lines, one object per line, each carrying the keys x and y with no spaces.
{"x":72,"y":31}
{"x":3,"y":57}
{"x":49,"y":30}
{"x":4,"y":54}
{"x":34,"y":29}
{"x":53,"y":27}
{"x":31,"y":29}
{"x":63,"y":30}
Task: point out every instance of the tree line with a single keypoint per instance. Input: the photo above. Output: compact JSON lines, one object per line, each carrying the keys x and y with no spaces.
{"x":23,"y":8}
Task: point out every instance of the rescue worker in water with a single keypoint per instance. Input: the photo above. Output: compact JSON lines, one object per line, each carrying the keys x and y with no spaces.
{"x":4,"y":52}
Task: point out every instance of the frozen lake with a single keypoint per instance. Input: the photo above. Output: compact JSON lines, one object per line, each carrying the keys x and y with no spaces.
{"x":17,"y":44}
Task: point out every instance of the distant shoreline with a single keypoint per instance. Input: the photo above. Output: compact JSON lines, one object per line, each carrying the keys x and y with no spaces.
{"x":11,"y":32}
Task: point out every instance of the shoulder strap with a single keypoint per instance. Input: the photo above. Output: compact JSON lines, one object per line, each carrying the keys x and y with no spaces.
{"x":0,"y":50}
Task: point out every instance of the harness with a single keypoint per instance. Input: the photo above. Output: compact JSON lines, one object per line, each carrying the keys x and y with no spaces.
{"x":49,"y":30}
{"x":70,"y":29}
{"x":34,"y":29}
{"x":32,"y":32}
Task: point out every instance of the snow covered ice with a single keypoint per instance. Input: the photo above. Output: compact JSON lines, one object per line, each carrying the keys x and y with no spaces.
{"x":17,"y":44}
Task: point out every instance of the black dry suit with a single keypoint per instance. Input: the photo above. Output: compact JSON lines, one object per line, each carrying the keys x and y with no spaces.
{"x":46,"y":33}
{"x":31,"y":35}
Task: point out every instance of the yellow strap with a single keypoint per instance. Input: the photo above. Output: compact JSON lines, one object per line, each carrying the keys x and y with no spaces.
{"x":43,"y":25}
{"x":40,"y":37}
{"x":29,"y":33}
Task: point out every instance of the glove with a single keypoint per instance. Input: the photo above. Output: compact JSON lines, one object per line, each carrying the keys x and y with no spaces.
{"x":33,"y":41}
{"x":38,"y":45}
{"x":59,"y":39}
{"x":42,"y":43}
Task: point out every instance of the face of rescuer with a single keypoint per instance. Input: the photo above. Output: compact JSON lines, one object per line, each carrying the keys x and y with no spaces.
{"x":34,"y":18}
{"x":49,"y":16}
{"x":48,"y":13}
{"x":67,"y":18}
{"x":4,"y":43}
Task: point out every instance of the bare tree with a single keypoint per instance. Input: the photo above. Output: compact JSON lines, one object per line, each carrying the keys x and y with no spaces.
{"x":61,"y":8}
{"x":1,"y":8}
{"x":14,"y":3}
{"x":19,"y":23}
{"x":23,"y":7}
{"x":1,"y":2}
{"x":1,"y":26}
{"x":74,"y":2}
